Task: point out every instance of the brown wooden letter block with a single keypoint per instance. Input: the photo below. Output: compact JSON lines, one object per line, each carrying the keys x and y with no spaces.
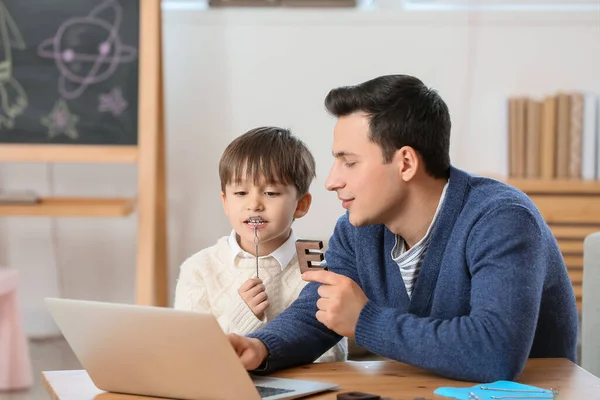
{"x":306,"y":257}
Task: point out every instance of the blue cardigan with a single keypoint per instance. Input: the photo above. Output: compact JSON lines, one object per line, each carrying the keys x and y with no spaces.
{"x":493,"y":290}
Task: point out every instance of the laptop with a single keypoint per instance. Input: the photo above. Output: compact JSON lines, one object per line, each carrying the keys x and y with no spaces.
{"x":163,"y":352}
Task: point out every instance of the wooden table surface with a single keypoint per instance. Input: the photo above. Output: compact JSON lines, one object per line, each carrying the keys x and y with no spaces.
{"x":389,"y":379}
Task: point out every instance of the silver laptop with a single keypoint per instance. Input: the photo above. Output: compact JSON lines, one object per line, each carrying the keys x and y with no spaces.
{"x":163,"y":352}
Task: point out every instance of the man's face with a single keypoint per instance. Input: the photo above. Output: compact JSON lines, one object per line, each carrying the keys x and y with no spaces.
{"x":274,"y":205}
{"x":369,"y":189}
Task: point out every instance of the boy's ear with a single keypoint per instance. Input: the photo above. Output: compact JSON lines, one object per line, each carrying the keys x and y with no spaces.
{"x":224,"y":199}
{"x":303,"y":206}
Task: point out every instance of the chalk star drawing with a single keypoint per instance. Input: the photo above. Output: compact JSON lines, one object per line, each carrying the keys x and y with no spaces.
{"x":83,"y":62}
{"x":13,"y":99}
{"x":61,"y":120}
{"x":112,"y":102}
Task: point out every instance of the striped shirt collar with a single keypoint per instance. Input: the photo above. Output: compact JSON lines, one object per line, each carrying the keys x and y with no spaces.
{"x":399,"y":253}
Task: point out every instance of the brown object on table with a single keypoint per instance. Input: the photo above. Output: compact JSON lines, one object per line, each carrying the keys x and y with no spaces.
{"x":386,"y":378}
{"x":357,"y":396}
{"x":307,"y":257}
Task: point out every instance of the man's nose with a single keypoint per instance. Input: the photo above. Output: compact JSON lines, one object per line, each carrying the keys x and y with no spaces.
{"x":333,"y":181}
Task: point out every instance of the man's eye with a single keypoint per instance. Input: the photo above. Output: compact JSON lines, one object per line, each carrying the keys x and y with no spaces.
{"x":349,"y":164}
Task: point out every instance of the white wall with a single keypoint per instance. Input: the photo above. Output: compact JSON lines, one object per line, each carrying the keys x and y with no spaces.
{"x":230,"y":70}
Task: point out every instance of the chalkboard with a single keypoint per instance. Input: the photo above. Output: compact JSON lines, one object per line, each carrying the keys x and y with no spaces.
{"x":69,"y":71}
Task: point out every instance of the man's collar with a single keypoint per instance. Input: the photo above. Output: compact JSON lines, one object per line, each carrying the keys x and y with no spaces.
{"x":283,"y":254}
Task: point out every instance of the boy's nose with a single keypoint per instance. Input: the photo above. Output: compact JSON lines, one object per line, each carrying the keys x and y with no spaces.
{"x":254,"y":205}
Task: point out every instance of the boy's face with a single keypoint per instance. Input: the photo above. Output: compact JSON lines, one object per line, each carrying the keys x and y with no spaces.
{"x":276,"y":204}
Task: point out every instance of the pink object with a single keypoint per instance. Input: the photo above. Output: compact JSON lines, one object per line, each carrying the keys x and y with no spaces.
{"x":15,"y":365}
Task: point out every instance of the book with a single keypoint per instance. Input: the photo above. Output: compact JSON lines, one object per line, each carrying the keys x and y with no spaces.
{"x":591,"y":149}
{"x":563,"y":146}
{"x":575,"y":136}
{"x":548,"y":139}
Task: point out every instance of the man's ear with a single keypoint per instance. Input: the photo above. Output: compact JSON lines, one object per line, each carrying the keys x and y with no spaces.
{"x":303,"y":205}
{"x":408,"y":162}
{"x":224,"y":200}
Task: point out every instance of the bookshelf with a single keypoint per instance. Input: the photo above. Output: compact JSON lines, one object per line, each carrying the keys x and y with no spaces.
{"x":554,"y":158}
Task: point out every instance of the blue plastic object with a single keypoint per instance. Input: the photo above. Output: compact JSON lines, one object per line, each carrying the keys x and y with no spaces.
{"x":495,"y":390}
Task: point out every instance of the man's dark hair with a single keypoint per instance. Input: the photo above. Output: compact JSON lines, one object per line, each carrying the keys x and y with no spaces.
{"x":402,"y":112}
{"x":269,"y":152}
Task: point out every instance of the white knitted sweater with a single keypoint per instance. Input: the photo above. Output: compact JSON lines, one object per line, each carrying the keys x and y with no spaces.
{"x":208,"y":282}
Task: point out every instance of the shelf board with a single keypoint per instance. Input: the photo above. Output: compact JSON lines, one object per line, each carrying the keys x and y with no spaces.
{"x":551,"y":186}
{"x":10,"y":152}
{"x":556,"y":186}
{"x":71,"y":207}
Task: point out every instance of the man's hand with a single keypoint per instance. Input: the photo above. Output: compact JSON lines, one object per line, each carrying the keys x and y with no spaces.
{"x":254,"y":295}
{"x":341,"y":301}
{"x":252,"y":352}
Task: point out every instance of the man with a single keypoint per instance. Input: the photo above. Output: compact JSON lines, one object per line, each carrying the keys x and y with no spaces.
{"x":430,"y":266}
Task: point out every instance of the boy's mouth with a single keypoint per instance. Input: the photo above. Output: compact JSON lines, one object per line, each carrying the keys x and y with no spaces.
{"x":255,"y":221}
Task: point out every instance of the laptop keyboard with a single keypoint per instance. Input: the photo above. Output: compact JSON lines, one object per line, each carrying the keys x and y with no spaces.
{"x":265,"y":391}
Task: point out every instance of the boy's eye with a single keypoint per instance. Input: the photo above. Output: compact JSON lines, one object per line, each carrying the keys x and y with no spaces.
{"x":239,"y":193}
{"x":271,"y":194}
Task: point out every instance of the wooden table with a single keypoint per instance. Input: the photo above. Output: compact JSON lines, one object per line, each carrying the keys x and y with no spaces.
{"x":390,"y":379}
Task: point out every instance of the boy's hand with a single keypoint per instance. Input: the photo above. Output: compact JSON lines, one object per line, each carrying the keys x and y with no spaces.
{"x":252,"y":352}
{"x":254,"y":295}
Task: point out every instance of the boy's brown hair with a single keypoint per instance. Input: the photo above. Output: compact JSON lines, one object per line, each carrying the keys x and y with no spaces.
{"x":269,"y":152}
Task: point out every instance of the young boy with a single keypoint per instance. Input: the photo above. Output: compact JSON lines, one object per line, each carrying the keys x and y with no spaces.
{"x":265,"y":179}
